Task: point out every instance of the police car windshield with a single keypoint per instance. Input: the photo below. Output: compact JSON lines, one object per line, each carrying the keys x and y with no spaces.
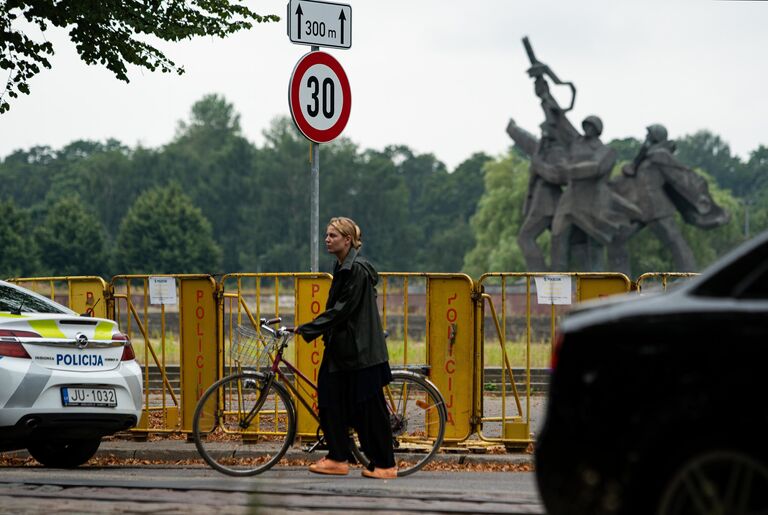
{"x":19,"y":301}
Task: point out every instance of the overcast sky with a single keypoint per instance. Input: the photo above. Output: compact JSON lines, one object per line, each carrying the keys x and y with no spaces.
{"x":440,"y":76}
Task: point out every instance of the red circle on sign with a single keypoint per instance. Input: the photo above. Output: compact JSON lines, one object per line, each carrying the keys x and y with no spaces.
{"x":307,"y":125}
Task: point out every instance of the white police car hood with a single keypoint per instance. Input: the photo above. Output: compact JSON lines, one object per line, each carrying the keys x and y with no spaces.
{"x":65,"y":342}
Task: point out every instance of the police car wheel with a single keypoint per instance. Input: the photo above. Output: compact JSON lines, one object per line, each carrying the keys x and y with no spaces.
{"x":64,"y":453}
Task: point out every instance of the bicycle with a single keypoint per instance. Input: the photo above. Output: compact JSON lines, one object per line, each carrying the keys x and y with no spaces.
{"x":254,"y":408}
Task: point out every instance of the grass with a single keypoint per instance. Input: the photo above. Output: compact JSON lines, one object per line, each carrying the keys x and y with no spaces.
{"x":172,"y":348}
{"x":516,"y":351}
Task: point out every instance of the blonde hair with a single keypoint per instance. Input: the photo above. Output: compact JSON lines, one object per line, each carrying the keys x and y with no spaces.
{"x":348,"y":227}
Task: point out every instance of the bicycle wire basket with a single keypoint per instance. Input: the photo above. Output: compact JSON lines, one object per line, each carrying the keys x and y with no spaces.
{"x":252,"y":348}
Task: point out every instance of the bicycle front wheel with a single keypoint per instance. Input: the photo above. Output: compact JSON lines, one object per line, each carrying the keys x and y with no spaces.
{"x":244,"y":423}
{"x":418,"y":416}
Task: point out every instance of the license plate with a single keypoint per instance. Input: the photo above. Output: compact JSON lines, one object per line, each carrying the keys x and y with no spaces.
{"x":105,"y":397}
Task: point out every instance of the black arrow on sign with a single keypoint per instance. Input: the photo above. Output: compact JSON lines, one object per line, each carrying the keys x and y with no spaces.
{"x":299,"y":12}
{"x":343,"y":19}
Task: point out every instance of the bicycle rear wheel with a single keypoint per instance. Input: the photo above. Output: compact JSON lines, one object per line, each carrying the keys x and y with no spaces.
{"x":243,"y":424}
{"x":418,"y":416}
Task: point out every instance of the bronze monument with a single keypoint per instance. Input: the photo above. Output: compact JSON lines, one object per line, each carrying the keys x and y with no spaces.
{"x":569,"y":192}
{"x":660,"y":185}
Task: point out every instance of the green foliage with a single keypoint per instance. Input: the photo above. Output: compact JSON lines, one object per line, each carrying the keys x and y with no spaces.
{"x":20,"y":254}
{"x":215,"y":164}
{"x":498,"y":217}
{"x":368,"y":187}
{"x":112,"y":33}
{"x":626,"y":148}
{"x":71,"y":240}
{"x":451,"y":201}
{"x":275,"y":233}
{"x":164,"y":233}
{"x":709,"y":152}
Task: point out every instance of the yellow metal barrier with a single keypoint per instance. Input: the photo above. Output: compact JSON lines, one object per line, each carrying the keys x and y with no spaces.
{"x":84,"y":294}
{"x":501,"y":416}
{"x":178,"y":314}
{"x":297,"y":298}
{"x":451,"y":348}
{"x":402,"y":300}
{"x":430,"y":321}
{"x":662,"y":279}
{"x":443,"y":324}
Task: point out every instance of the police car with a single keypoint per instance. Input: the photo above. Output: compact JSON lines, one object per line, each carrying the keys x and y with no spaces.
{"x":65,"y":380}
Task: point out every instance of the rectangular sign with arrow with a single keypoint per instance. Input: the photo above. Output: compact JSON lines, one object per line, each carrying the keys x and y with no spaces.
{"x":320,"y":23}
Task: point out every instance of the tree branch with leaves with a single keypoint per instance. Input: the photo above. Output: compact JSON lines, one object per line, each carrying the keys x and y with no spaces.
{"x":109,"y":33}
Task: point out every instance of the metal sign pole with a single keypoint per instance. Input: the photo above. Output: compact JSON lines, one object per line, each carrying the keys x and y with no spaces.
{"x":314,"y":217}
{"x":318,"y":23}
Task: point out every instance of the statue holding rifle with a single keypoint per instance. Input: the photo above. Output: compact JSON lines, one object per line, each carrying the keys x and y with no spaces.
{"x":587,"y":215}
{"x":570,"y":195}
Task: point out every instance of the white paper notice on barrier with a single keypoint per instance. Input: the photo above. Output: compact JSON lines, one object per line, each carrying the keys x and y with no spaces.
{"x":162,"y":290}
{"x":553,"y":289}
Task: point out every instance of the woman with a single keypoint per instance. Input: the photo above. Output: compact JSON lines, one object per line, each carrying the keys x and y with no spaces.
{"x":355,"y":364}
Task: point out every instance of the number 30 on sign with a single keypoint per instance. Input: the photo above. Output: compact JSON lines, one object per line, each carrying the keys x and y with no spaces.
{"x":319,"y":96}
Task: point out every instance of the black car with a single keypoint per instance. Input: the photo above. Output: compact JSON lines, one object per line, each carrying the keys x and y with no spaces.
{"x":656,"y":403}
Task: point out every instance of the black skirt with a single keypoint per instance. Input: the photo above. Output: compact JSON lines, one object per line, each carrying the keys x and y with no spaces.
{"x":346,"y":388}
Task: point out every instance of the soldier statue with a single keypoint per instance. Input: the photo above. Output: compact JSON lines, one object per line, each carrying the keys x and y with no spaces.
{"x":570,"y":194}
{"x":588,"y":214}
{"x":588,"y":206}
{"x":544,"y":183}
{"x":660,"y":185}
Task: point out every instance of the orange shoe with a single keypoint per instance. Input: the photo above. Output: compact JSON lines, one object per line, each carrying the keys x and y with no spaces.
{"x":330,"y":467}
{"x":377,"y":473}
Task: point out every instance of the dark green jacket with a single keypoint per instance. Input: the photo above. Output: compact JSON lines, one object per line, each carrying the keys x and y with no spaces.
{"x":350,"y":325}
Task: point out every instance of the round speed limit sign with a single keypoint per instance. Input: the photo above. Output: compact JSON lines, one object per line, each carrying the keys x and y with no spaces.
{"x":319,"y":97}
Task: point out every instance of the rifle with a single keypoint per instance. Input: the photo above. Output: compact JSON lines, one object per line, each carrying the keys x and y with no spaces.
{"x":539,"y":69}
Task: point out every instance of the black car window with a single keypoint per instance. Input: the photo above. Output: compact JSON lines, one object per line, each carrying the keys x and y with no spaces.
{"x":754,"y":285}
{"x":744,"y":277}
{"x":13,"y":300}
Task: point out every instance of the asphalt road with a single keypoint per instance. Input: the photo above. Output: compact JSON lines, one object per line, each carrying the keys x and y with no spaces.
{"x":197,"y":490}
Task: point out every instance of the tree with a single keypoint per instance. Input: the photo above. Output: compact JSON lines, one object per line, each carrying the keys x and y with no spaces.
{"x":367,"y":187}
{"x":498,"y":217}
{"x":106,"y":175}
{"x":274,"y":203}
{"x":163,"y":232}
{"x":216,"y":165}
{"x":111,"y":32}
{"x":72,"y":240}
{"x":450,"y":202}
{"x":626,"y":148}
{"x":709,"y":152}
{"x":20,"y":255}
{"x":26,"y":175}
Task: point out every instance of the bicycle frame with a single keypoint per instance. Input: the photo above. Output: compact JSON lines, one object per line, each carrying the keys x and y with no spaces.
{"x":276,"y":371}
{"x":279,"y":360}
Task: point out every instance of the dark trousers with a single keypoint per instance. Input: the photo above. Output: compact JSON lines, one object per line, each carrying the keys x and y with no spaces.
{"x":370,"y":419}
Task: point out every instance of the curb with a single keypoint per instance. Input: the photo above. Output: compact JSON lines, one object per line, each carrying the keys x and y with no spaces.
{"x":179,"y":450}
